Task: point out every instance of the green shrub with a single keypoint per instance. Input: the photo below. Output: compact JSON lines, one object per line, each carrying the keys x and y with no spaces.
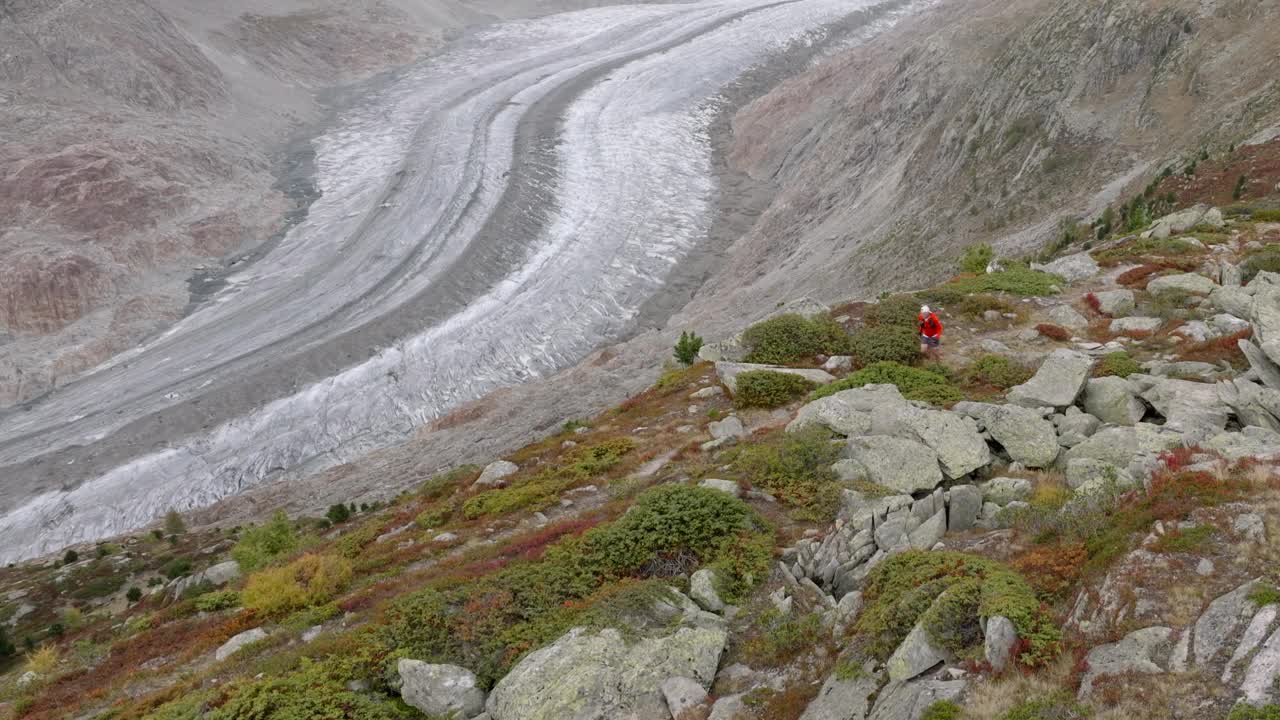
{"x":892,"y":343}
{"x":134,"y":594}
{"x":7,"y":650}
{"x":947,"y":592}
{"x":445,"y":483}
{"x":1059,"y":706}
{"x":942,"y":710}
{"x":70,"y":557}
{"x":435,"y":515}
{"x":173,"y":524}
{"x":1248,"y":712}
{"x":265,"y":543}
{"x":777,"y":639}
{"x":338,"y":513}
{"x":1264,"y":594}
{"x":1015,"y":280}
{"x":1161,"y":247}
{"x":306,"y":694}
{"x":687,"y":347}
{"x":791,"y":337}
{"x":976,"y":258}
{"x":1267,"y":259}
{"x":913,"y":383}
{"x":217,"y":600}
{"x":998,"y":371}
{"x":1268,"y":216}
{"x":1119,"y":364}
{"x":176,"y":568}
{"x":769,"y":389}
{"x":795,"y":467}
{"x":896,"y":311}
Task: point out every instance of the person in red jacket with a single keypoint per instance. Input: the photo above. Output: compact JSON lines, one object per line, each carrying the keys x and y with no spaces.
{"x":930,"y":330}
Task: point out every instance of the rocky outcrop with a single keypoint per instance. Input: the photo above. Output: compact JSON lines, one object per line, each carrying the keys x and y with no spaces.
{"x":602,"y":675}
{"x":238,"y":642}
{"x":729,"y":372}
{"x":1143,"y":651}
{"x":916,"y":654}
{"x":495,"y":474}
{"x":212,"y":577}
{"x":1181,"y":285}
{"x":897,"y":463}
{"x":1071,"y":267}
{"x":1024,"y":434}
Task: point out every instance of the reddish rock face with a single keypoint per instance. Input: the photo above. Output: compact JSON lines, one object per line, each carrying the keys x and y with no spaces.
{"x":42,"y":294}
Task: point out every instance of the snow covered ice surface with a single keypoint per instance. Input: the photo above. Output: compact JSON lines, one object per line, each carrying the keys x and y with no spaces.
{"x":530,"y":240}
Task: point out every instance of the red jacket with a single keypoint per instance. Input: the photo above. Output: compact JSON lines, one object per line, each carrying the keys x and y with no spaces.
{"x":930,"y":325}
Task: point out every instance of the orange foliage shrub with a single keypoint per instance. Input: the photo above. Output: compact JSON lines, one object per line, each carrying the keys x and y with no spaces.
{"x":1216,"y":350}
{"x":1053,"y":332}
{"x":1052,"y":570}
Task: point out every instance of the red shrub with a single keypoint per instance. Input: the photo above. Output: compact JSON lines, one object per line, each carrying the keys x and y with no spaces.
{"x":1094,"y":304}
{"x":1052,"y":570}
{"x":1053,"y":332}
{"x":1216,"y":350}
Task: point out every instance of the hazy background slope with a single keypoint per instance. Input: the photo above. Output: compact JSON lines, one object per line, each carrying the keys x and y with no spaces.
{"x":139,"y":141}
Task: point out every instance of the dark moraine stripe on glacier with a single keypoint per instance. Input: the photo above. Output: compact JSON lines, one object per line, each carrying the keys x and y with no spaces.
{"x":521,"y":221}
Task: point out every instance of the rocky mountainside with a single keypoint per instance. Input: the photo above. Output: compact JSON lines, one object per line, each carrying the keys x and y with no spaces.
{"x":1070,"y":511}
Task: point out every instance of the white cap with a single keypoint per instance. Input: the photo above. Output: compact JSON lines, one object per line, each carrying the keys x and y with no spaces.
{"x":924,"y":309}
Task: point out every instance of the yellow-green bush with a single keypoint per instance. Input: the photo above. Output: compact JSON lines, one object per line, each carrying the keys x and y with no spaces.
{"x":541,"y":491}
{"x":998,"y":371}
{"x":309,"y":580}
{"x":264,"y":543}
{"x":796,"y":467}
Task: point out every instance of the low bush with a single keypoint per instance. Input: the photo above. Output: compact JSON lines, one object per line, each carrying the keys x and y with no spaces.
{"x":541,"y":491}
{"x":1166,"y":247}
{"x":1264,"y":594}
{"x":1054,"y":332}
{"x":769,"y":389}
{"x":309,"y":693}
{"x":791,"y":337}
{"x":1266,"y":259}
{"x":1178,"y":540}
{"x":338,"y":513}
{"x":446,"y":483}
{"x":997,"y":371}
{"x":976,"y":258}
{"x":1059,"y":706}
{"x":776,"y":639}
{"x":217,"y":600}
{"x":795,"y":467}
{"x":1015,"y":280}
{"x":947,"y":592}
{"x":943,"y":710}
{"x":913,"y":383}
{"x":1052,"y":570}
{"x":893,"y":311}
{"x":488,"y":623}
{"x":1268,"y":216}
{"x":1225,"y":349}
{"x":975,"y":306}
{"x":309,"y":580}
{"x":176,"y":568}
{"x":265,"y":543}
{"x":885,"y":343}
{"x":1119,"y":364}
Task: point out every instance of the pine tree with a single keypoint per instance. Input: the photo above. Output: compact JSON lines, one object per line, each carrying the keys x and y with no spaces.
{"x":687,"y":348}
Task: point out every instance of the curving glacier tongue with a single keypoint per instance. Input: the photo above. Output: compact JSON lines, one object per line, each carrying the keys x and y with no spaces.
{"x":537,"y":184}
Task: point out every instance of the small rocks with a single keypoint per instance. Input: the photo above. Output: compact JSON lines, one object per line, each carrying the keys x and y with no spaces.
{"x":1111,"y":400}
{"x":1136,"y":324}
{"x":838,"y":363}
{"x":706,"y":393}
{"x":728,"y":428}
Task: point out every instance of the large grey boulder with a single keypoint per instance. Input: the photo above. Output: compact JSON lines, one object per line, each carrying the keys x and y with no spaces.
{"x":730,"y":428}
{"x":1252,"y":403}
{"x":1227,"y":324}
{"x":965,"y":504}
{"x":1136,"y":324}
{"x":1004,"y":490}
{"x":999,"y":636}
{"x":728,"y":373}
{"x":910,"y":700}
{"x":496,"y":473}
{"x":1068,"y":317}
{"x":686,"y":698}
{"x":725,"y":486}
{"x":1181,"y":284}
{"x":1115,"y":303}
{"x":1266,"y":320}
{"x":1026,"y":436}
{"x":600,"y":675}
{"x":730,"y":707}
{"x":843,"y":699}
{"x":702,"y":588}
{"x":953,"y":438}
{"x":1260,"y":678}
{"x":916,"y":654}
{"x":238,"y":642}
{"x":212,"y":576}
{"x":1267,"y":370}
{"x":1144,"y":651}
{"x":1111,"y":400}
{"x":1220,"y":622}
{"x":1057,"y":383}
{"x":1183,"y":220}
{"x":1191,"y":409}
{"x":1119,"y":445}
{"x":1071,"y":267}
{"x":1236,"y":301}
{"x":897,"y":463}
{"x":1088,"y":475}
{"x":440,"y":690}
{"x":836,"y":413}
